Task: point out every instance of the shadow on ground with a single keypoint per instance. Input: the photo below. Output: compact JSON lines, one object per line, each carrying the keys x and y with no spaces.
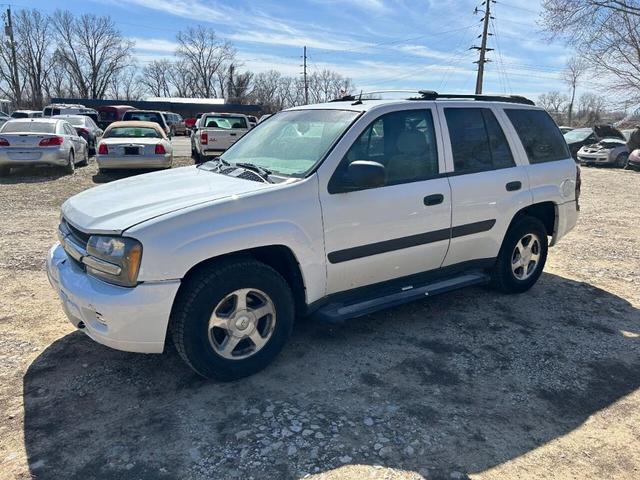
{"x":457,"y":383}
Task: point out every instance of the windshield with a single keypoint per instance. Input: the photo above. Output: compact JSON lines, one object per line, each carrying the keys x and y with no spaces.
{"x":291,"y":143}
{"x":225,"y":122}
{"x":143,"y":117}
{"x":35,"y":127}
{"x":75,"y":121}
{"x":19,"y":115}
{"x":132,"y":132}
{"x":577,"y":135}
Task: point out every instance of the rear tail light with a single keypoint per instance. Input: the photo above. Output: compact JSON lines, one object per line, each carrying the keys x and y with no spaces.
{"x":204,"y":138}
{"x":4,"y":142}
{"x":578,"y":186}
{"x":103,"y":149}
{"x":160,"y":149}
{"x":51,"y":141}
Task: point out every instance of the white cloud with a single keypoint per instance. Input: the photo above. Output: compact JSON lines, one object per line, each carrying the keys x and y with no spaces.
{"x":154,"y":45}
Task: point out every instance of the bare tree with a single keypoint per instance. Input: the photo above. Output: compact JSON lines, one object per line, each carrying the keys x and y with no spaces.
{"x":555,"y":103}
{"x":181,"y":79}
{"x":591,"y":108}
{"x":574,"y":71}
{"x":327,"y":85}
{"x":58,"y":82}
{"x":92,"y":50}
{"x":126,"y":85}
{"x":156,"y":77}
{"x":606,"y":34}
{"x":204,"y":55}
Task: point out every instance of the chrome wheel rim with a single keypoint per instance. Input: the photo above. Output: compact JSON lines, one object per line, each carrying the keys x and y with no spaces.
{"x":242,"y":323}
{"x":526,"y":256}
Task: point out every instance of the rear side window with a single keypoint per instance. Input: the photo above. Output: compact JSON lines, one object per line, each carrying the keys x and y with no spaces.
{"x":477,"y":140}
{"x":539,"y":134}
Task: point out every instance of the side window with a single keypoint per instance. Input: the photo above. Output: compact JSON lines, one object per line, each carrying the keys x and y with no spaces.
{"x":403,"y":142}
{"x":477,"y":140}
{"x":539,"y":134}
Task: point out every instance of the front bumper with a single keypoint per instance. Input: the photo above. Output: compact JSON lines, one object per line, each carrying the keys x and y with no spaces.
{"x":129,"y":319}
{"x":594,"y":159}
{"x":32,"y":156}
{"x":134,"y":161}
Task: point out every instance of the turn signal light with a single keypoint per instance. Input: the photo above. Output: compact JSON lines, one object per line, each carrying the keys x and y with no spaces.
{"x":103,"y":149}
{"x":51,"y":141}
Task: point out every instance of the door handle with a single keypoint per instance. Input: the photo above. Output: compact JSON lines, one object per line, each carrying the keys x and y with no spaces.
{"x":434,"y":199}
{"x":513,"y":186}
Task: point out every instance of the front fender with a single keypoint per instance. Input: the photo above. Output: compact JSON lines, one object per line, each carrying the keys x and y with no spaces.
{"x":289,"y":217}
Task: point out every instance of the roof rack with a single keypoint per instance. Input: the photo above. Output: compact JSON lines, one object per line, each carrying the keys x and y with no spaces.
{"x":432,"y":95}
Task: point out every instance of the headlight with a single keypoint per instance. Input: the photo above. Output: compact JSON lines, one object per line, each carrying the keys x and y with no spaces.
{"x":114,"y":259}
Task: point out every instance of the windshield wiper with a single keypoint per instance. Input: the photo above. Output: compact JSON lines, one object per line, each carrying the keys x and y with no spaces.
{"x":217,"y":161}
{"x":260,"y":170}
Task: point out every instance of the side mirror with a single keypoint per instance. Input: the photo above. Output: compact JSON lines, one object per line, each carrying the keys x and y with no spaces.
{"x":367,"y":174}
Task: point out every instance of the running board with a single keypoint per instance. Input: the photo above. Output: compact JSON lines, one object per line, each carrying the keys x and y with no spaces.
{"x":338,"y":312}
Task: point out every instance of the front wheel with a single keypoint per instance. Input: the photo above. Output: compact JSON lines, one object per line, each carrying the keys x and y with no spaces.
{"x":232,"y":319}
{"x":621,"y":160}
{"x":522,"y":256}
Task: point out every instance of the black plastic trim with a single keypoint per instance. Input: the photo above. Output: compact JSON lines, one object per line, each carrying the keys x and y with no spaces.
{"x":377,"y":248}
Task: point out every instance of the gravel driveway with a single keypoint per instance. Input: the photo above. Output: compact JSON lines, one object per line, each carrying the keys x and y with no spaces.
{"x":472,"y":384}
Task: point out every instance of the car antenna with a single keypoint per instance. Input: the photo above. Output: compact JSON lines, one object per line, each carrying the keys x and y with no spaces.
{"x":359,"y":101}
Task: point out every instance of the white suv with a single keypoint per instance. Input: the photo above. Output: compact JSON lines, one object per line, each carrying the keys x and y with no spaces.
{"x":334,"y":210}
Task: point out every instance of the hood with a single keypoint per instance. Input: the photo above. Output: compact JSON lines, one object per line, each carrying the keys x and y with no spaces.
{"x":116,"y":206}
{"x":605,"y":144}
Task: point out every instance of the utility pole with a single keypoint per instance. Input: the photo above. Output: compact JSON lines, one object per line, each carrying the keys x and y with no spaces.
{"x":14,"y":59}
{"x":304,"y":73}
{"x":483,"y":45}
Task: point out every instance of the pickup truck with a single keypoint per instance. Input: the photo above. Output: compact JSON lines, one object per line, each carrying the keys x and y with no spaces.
{"x":214,"y":133}
{"x":334,"y":211}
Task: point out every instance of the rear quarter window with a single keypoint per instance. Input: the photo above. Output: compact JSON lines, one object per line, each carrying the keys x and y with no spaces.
{"x":539,"y":134}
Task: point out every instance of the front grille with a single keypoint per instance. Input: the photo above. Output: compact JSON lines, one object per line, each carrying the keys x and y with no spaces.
{"x":79,"y":236}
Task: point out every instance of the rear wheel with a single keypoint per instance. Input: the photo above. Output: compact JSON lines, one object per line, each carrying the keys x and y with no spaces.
{"x":522,"y":256}
{"x":232,"y":319}
{"x":70,"y":167}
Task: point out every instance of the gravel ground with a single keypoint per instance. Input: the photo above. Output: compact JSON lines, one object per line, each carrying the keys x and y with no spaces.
{"x":473,"y":384}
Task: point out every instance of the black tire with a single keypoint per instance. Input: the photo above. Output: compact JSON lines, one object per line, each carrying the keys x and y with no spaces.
{"x":4,"y":171}
{"x":198,"y":297}
{"x":70,"y":167}
{"x":621,"y":160}
{"x":503,"y":278}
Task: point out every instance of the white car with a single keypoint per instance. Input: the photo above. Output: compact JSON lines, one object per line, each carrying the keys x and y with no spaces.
{"x":334,"y":210}
{"x":131,"y":145}
{"x":216,"y":132}
{"x":41,"y":141}
{"x":608,"y":151}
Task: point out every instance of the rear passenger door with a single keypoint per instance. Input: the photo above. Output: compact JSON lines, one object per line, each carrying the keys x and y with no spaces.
{"x":489,"y":182}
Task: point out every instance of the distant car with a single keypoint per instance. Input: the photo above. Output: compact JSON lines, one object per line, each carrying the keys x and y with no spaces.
{"x":86,"y":128}
{"x":27,"y":114}
{"x":214,"y":133}
{"x":264,"y":117}
{"x":147,"y":116}
{"x":633,"y":161}
{"x":579,"y":137}
{"x":609,"y":151}
{"x":177,"y":124}
{"x":253,"y":121}
{"x":111,"y":113}
{"x":565,"y":129}
{"x":133,"y":144}
{"x":69,"y":109}
{"x":34,"y":141}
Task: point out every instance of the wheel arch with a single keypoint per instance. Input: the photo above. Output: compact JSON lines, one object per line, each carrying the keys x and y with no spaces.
{"x":546,"y":212}
{"x":279,"y":257}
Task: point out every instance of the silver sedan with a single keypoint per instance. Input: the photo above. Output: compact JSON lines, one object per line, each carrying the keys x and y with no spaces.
{"x":134,"y":145}
{"x":41,"y":141}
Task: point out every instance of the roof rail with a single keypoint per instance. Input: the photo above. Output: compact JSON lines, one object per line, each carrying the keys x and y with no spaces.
{"x":432,"y":95}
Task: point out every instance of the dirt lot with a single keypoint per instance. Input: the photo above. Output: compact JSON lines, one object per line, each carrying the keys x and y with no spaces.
{"x":471,"y":384}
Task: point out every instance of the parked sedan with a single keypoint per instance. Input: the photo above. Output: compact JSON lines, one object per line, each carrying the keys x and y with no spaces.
{"x":609,"y":151}
{"x":35,"y":141}
{"x":579,"y":137}
{"x":86,"y":128}
{"x":134,"y":145}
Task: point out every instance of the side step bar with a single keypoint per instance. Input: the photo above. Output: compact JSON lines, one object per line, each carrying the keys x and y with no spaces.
{"x":339,"y":312}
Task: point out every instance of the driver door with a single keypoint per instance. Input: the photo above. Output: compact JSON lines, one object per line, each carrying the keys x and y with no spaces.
{"x":401,"y":228}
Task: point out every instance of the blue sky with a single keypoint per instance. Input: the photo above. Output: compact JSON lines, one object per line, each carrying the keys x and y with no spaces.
{"x":380,"y":44}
